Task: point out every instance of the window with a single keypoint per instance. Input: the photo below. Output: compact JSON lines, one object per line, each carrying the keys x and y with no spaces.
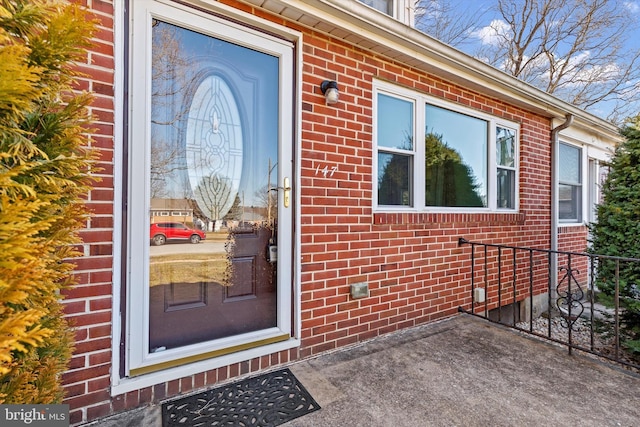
{"x":506,"y":167}
{"x":455,"y":159}
{"x":434,"y":155}
{"x":570,"y":183}
{"x":395,"y":139}
{"x":385,"y":6}
{"x":596,"y":177}
{"x":402,"y":10}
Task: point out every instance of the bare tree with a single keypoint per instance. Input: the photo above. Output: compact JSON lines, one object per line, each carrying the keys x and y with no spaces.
{"x":574,"y":49}
{"x":451,"y":22}
{"x":169,"y":74}
{"x":163,"y":165}
{"x":170,"y":79}
{"x":214,"y":195}
{"x":267,"y":199}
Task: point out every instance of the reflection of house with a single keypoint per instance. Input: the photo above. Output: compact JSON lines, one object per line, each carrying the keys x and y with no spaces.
{"x":176,"y":210}
{"x":253,"y":214}
{"x":361,"y":198}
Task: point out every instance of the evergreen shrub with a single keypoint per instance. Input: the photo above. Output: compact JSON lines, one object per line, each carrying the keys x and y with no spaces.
{"x":45,"y":175}
{"x":617,"y":233}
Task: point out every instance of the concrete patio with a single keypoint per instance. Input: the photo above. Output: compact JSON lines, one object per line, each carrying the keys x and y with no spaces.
{"x":465,"y":371}
{"x":462,"y":371}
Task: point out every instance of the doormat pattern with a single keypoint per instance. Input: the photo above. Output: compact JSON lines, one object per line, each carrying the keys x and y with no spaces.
{"x":267,"y":400}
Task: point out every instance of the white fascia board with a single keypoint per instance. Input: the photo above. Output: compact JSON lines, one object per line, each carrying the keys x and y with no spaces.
{"x":588,"y":133}
{"x":594,"y":141}
{"x":376,"y":30}
{"x":245,"y":17}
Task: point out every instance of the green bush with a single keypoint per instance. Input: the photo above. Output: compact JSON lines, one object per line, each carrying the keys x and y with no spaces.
{"x":617,"y":232}
{"x":44,"y":127}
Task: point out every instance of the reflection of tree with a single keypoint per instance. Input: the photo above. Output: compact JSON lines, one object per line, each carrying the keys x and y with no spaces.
{"x":267,"y":198}
{"x":213,"y":194}
{"x":163,"y":165}
{"x":448,"y":181}
{"x":170,"y":77}
{"x":197,"y":212}
{"x":169,"y":73}
{"x":235,"y":213}
{"x":505,"y":144}
{"x":393,"y":181}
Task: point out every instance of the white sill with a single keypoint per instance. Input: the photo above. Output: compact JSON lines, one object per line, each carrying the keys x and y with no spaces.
{"x":571,"y":224}
{"x":124,"y":385}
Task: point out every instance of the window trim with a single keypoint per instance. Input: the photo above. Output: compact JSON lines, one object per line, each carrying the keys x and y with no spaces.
{"x":420,"y":100}
{"x":401,"y":10}
{"x":583,"y":185}
{"x":507,"y":168}
{"x":390,"y":4}
{"x":394,"y":150}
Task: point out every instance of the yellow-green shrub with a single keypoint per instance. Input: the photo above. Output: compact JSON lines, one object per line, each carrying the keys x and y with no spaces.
{"x":44,"y":165}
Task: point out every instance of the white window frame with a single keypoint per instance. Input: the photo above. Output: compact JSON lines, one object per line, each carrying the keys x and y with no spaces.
{"x":402,"y":10}
{"x":417,"y":181}
{"x":412,"y":153}
{"x":583,"y":162}
{"x":594,"y":189}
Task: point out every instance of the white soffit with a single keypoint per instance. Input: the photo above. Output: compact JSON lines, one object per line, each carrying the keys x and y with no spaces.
{"x":369,"y":29}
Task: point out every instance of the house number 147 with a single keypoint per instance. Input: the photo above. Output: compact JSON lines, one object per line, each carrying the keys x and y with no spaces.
{"x":326,"y":171}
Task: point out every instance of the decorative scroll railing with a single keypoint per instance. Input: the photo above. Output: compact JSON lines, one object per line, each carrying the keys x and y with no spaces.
{"x":549,"y":294}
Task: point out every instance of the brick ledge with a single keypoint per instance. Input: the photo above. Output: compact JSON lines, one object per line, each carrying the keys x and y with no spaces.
{"x":408,"y":218}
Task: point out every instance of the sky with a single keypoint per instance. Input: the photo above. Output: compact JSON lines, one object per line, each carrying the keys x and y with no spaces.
{"x":486,"y":16}
{"x":485,"y":34}
{"x":485,"y":20}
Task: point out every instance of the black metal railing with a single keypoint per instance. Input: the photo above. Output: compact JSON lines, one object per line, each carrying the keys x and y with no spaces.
{"x":549,"y":294}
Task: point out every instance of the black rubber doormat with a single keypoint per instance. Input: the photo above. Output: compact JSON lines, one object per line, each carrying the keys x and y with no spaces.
{"x":267,"y":400}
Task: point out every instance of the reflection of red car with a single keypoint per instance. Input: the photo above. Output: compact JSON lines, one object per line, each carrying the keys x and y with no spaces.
{"x":161,"y":232}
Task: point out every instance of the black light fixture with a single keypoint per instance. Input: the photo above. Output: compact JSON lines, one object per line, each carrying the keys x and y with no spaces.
{"x":329,"y":89}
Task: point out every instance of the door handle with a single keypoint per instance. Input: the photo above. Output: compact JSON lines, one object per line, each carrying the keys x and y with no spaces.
{"x":287,"y":192}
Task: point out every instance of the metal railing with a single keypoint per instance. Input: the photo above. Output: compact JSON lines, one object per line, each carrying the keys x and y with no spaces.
{"x":549,"y":294}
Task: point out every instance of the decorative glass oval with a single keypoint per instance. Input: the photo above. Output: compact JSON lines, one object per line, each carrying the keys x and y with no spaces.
{"x":214,"y":147}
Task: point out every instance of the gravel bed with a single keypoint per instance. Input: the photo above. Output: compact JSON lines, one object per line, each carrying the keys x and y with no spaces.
{"x":580,"y":334}
{"x":603,"y":342}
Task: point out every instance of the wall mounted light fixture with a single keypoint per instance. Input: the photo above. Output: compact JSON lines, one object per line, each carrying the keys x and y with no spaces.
{"x":329,"y":89}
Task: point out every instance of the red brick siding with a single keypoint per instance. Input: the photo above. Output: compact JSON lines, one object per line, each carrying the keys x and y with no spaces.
{"x":412,"y":262}
{"x":574,"y":239}
{"x":414,"y":267}
{"x":88,"y":305}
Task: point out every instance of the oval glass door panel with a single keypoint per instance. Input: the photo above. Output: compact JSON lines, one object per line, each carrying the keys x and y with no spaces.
{"x":214,"y":148}
{"x":213,"y":198}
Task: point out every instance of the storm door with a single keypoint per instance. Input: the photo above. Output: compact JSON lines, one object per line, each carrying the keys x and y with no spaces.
{"x":215,"y":275}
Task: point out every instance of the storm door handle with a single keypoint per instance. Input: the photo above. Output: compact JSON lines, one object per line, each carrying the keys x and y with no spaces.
{"x":287,"y":192}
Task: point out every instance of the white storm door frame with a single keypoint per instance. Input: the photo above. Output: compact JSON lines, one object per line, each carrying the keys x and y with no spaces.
{"x":137,"y":327}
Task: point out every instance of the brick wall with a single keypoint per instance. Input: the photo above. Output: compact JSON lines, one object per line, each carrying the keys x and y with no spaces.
{"x":412,"y":262}
{"x":88,"y":305}
{"x":574,"y":239}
